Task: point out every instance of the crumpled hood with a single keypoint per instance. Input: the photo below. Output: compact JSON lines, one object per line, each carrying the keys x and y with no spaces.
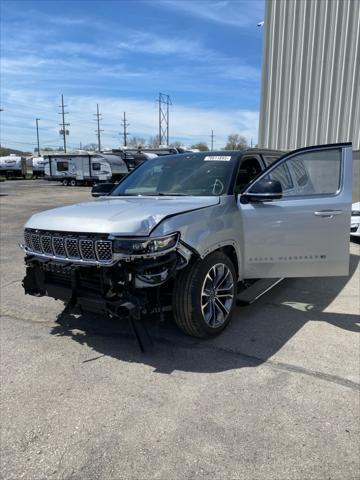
{"x":117,"y":215}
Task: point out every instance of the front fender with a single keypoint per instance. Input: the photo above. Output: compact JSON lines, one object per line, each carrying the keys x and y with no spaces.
{"x":208,"y":229}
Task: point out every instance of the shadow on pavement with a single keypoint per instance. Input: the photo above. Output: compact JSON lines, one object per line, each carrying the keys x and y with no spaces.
{"x":256,"y":333}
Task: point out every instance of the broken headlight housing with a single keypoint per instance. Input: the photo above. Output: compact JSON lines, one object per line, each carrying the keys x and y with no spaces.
{"x":145,"y":246}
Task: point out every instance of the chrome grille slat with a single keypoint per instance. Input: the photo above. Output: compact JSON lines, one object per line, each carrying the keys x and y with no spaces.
{"x":27,"y":238}
{"x":72,"y":248}
{"x":59,"y":247}
{"x":103,"y":250}
{"x":69,"y":246}
{"x":36,"y":244}
{"x":46,"y":244}
{"x":87,"y":249}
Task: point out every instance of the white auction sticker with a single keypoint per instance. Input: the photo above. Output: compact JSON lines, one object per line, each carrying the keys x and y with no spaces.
{"x":217,"y":158}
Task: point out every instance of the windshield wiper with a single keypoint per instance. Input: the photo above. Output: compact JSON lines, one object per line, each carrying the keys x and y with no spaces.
{"x":172,"y":194}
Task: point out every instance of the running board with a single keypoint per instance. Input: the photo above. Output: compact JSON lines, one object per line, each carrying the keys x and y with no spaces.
{"x":256,"y":290}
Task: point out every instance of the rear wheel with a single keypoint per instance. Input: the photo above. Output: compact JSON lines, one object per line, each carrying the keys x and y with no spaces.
{"x":73,"y":182}
{"x":204,"y":296}
{"x":65,"y":182}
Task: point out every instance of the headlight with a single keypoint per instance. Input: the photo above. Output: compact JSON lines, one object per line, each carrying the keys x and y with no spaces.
{"x":355,"y":213}
{"x":145,"y":246}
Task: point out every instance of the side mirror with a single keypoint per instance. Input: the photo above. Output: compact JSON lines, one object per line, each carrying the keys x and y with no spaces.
{"x":263,"y":191}
{"x":101,"y":189}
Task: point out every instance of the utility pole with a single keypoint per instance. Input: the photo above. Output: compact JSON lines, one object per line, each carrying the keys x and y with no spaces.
{"x":37,"y":135}
{"x":125,"y":124}
{"x":212,"y":136}
{"x":164,"y":104}
{"x":98,"y":118}
{"x":1,"y":110}
{"x":63,"y":125}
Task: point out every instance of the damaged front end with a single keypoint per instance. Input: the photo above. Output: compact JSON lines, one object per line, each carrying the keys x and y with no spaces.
{"x":102,"y":272}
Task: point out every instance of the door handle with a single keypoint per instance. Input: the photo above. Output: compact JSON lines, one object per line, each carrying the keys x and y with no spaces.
{"x":328,"y":213}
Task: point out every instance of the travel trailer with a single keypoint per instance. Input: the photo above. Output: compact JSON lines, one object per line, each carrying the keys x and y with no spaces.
{"x":81,"y":169}
{"x":39,"y":166}
{"x":15,"y":166}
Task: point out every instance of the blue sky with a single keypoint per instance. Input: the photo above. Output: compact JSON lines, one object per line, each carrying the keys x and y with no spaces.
{"x":205,"y":54}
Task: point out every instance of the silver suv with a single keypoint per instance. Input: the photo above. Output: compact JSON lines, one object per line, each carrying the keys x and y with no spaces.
{"x":184,"y":231}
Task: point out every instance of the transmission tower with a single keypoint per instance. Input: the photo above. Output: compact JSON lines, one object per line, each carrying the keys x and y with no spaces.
{"x":125,"y":124}
{"x":164,"y":104}
{"x":97,"y":131}
{"x":64,"y":131}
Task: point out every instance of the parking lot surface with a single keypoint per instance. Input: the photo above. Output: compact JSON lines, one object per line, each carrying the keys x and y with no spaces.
{"x":276,"y":396}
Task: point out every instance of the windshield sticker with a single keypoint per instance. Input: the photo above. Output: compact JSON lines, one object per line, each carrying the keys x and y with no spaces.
{"x":217,"y":158}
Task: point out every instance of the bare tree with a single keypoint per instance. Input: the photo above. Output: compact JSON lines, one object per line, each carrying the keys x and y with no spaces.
{"x":136,"y":142}
{"x":154,"y":142}
{"x":236,"y":142}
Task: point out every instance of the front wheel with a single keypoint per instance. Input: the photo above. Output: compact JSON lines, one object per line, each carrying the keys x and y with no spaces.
{"x":204,"y":296}
{"x":65,"y":182}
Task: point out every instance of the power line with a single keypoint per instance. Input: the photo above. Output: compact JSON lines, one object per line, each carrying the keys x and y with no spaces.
{"x":164,"y":103}
{"x":125,"y":124}
{"x":63,"y":125}
{"x":98,"y":119}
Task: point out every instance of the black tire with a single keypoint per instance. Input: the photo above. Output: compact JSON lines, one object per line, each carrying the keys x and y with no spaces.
{"x":187,"y":296}
{"x":73,"y":182}
{"x":65,"y":182}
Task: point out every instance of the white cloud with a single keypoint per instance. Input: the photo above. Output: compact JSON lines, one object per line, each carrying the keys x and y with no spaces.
{"x":238,"y":13}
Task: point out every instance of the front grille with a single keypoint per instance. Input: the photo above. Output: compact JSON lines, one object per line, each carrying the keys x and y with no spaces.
{"x":69,"y":246}
{"x":59,"y":247}
{"x":35,"y":239}
{"x":104,"y":250}
{"x":46,"y":244}
{"x":87,"y":249}
{"x":72,"y":248}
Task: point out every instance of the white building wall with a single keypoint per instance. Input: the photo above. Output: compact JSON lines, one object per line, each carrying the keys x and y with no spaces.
{"x":310,"y":91}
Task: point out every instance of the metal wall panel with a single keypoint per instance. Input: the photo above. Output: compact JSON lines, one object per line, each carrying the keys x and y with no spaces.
{"x":310,"y":89}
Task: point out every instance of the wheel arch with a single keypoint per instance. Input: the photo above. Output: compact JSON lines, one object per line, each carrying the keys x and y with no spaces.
{"x":230,"y":249}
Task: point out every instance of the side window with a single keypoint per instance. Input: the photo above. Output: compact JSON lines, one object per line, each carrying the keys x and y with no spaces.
{"x":249,"y":169}
{"x":269,"y":159}
{"x":317,"y":173}
{"x":312,"y":173}
{"x":62,"y":166}
{"x":95,"y":166}
{"x":282,"y":175}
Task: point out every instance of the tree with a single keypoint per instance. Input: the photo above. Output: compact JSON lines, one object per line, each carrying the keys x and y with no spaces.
{"x":175,"y":144}
{"x":91,"y":147}
{"x":200,"y":146}
{"x":236,"y":142}
{"x":136,"y":142}
{"x":154,"y":142}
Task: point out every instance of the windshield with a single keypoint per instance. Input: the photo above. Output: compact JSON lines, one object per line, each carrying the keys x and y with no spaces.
{"x":188,"y":174}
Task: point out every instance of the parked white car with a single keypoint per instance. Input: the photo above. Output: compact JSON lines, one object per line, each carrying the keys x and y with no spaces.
{"x":355,"y":220}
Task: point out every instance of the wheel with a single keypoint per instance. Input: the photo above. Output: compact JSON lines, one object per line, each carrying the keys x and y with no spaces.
{"x":73,"y":182}
{"x":204,"y":296}
{"x":65,"y":182}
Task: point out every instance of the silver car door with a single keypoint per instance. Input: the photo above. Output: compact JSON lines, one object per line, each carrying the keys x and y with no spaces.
{"x":305,"y":233}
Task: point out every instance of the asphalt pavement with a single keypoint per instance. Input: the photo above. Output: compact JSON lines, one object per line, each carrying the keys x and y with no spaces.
{"x":276,"y":396}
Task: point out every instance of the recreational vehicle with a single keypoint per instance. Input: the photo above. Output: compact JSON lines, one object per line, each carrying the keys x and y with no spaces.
{"x":80,"y":169}
{"x":15,"y":166}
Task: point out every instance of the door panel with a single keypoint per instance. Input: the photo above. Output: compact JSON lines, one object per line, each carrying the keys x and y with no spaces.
{"x":306,"y":232}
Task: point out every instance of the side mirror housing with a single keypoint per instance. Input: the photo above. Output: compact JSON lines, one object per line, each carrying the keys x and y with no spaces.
{"x":263,"y":191}
{"x":101,"y":189}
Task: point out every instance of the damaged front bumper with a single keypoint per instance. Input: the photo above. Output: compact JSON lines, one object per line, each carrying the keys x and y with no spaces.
{"x":103,"y":287}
